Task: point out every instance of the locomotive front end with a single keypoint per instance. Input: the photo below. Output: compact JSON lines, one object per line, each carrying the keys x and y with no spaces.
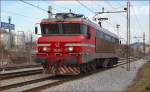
{"x":60,"y":53}
{"x":61,"y":47}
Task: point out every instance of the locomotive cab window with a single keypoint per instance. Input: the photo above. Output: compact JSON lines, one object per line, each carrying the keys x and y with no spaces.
{"x":83,"y":29}
{"x":74,"y":28}
{"x":64,"y":28}
{"x":71,"y":28}
{"x":50,"y":29}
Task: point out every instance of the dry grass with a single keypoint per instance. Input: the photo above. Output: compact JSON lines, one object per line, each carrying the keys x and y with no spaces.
{"x":142,"y":82}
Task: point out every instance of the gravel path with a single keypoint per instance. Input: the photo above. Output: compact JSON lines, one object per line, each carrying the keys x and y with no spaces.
{"x":116,"y":79}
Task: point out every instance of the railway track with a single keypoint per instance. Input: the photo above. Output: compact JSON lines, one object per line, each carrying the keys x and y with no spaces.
{"x":20,"y":72}
{"x":18,"y":67}
{"x":124,"y":61}
{"x":30,"y":71}
{"x":40,"y":81}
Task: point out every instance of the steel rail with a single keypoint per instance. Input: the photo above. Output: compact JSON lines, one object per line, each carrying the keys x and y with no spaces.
{"x":55,"y":80}
{"x":56,"y":83}
{"x":25,"y":73}
{"x":18,"y":67}
{"x":20,"y":73}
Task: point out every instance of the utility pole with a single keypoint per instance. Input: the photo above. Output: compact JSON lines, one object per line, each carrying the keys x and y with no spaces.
{"x":149,"y":40}
{"x":144,"y":45}
{"x":128,"y":36}
{"x":9,"y":21}
{"x":10,"y":37}
{"x":138,"y":47}
{"x":31,"y":39}
{"x":127,"y":10}
{"x":49,"y":12}
{"x":149,"y":28}
{"x":119,"y":49}
{"x":117,"y":26}
{"x":0,"y":13}
{"x":0,"y":37}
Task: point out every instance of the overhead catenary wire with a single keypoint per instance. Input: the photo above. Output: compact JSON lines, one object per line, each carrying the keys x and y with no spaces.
{"x":116,"y":8}
{"x":28,"y":18}
{"x":136,"y":18}
{"x":113,"y":8}
{"x":88,"y":10}
{"x":56,"y":9}
{"x":105,"y":16}
{"x":34,"y":5}
{"x":14,"y":13}
{"x":62,"y":8}
{"x":124,"y":16}
{"x":65,"y":8}
{"x":85,"y":6}
{"x":53,"y":7}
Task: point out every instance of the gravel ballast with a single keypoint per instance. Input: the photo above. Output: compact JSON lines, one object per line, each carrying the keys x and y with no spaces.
{"x":115,"y":79}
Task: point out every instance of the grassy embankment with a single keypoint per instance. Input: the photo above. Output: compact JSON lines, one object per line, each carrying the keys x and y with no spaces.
{"x":142,"y":82}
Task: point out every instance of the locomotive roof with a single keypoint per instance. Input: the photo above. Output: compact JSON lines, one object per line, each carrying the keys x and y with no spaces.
{"x":85,"y":21}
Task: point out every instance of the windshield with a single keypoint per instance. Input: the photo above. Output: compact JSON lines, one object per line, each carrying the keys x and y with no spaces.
{"x":71,"y":28}
{"x":66,"y":28}
{"x":50,"y":29}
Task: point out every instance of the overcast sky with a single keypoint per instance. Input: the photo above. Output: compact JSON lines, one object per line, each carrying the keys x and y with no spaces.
{"x":25,"y":16}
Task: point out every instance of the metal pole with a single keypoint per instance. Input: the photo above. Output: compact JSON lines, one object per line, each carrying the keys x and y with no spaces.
{"x":0,"y":13}
{"x":138,"y":51}
{"x":144,"y":45}
{"x":49,"y":12}
{"x":31,"y":48}
{"x":117,"y":26}
{"x":149,"y":36}
{"x":0,"y":28}
{"x":128,"y":36}
{"x":9,"y":21}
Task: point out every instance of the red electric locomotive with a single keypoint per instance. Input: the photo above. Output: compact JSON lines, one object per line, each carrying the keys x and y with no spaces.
{"x":71,"y":44}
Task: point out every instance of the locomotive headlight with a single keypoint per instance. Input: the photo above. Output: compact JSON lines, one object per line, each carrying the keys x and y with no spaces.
{"x":70,"y":49}
{"x":45,"y":49}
